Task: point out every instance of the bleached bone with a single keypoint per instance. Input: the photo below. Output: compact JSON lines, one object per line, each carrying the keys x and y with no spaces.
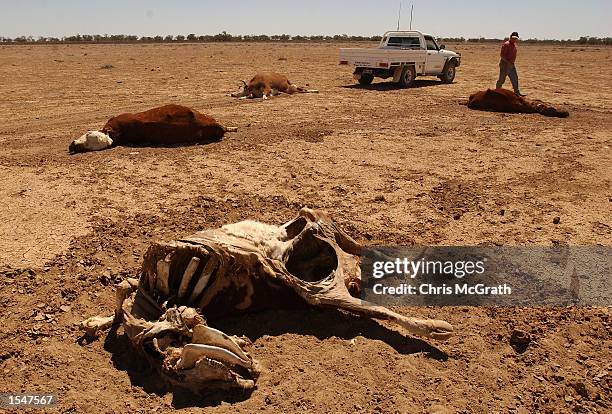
{"x":123,"y":289}
{"x":249,"y":266}
{"x":189,"y":271}
{"x":209,"y":268}
{"x":93,"y":325}
{"x":163,"y":273}
{"x":207,"y":335}
{"x":194,"y":352}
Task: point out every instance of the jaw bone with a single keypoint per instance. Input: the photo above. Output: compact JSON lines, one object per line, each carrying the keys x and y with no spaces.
{"x":242,"y":266}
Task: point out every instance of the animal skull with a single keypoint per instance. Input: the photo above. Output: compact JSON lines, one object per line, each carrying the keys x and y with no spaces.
{"x":239,"y":267}
{"x":242,"y":92}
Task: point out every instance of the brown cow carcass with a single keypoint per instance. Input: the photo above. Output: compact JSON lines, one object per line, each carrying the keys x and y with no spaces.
{"x":265,"y":84}
{"x":503,"y":100}
{"x":166,"y":125}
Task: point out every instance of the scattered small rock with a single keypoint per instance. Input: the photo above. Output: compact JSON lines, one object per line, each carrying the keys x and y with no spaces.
{"x":457,"y":216}
{"x":107,"y":66}
{"x":380,"y":198}
{"x":105,"y":279}
{"x":438,"y":409}
{"x":557,"y":220}
{"x":519,"y":340}
{"x":558,"y":377}
{"x":580,"y":388}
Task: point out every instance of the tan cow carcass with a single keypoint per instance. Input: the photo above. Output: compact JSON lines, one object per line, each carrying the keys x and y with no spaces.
{"x":266,"y":84}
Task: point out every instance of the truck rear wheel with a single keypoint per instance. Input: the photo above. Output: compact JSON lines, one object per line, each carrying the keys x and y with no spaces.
{"x":448,"y":76}
{"x":407,"y":77}
{"x":366,"y":78}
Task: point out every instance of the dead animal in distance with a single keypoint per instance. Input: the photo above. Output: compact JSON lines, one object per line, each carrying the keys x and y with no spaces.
{"x":163,"y":126}
{"x":266,"y":84}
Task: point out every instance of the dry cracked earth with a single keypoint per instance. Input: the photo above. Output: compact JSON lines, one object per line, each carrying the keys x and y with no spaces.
{"x":392,"y":166}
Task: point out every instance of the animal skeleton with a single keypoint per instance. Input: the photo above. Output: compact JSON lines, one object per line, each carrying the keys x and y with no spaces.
{"x":242,"y":266}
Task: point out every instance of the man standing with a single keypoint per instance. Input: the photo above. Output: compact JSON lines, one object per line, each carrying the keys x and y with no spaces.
{"x":506,"y":64}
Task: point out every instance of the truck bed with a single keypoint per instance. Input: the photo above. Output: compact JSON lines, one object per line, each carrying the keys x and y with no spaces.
{"x":378,"y":57}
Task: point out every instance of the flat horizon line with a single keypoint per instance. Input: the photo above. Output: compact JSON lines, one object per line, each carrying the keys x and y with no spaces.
{"x":249,"y":37}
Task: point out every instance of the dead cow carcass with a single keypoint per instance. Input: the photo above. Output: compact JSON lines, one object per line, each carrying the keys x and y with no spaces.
{"x":265,"y":84}
{"x":237,"y":268}
{"x":163,"y":126}
{"x":504,"y":100}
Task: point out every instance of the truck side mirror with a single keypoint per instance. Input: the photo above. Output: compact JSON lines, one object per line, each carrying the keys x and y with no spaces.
{"x":442,"y":47}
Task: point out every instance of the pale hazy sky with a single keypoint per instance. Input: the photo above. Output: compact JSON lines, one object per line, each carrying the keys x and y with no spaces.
{"x":544,"y":19}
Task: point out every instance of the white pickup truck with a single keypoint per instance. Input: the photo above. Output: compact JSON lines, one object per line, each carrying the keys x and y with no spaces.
{"x":403,"y":55}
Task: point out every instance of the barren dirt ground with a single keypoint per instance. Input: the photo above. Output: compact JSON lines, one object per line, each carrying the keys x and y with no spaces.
{"x":392,"y":166}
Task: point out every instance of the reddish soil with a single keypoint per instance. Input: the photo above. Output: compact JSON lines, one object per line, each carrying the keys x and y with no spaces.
{"x":392,"y":166}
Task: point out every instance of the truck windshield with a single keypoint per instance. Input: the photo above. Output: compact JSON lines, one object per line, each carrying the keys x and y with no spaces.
{"x":404,"y":42}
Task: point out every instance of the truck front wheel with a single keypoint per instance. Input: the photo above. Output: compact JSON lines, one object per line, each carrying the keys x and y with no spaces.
{"x":448,"y":76}
{"x":366,"y":78}
{"x":407,"y":77}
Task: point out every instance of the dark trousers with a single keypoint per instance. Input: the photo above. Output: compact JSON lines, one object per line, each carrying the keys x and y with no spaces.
{"x":507,"y":69}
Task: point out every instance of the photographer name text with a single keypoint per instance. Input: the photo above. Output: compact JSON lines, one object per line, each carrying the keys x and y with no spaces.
{"x":430,"y":289}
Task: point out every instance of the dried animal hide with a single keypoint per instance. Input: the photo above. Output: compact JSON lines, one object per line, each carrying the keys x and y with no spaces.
{"x":240,"y":267}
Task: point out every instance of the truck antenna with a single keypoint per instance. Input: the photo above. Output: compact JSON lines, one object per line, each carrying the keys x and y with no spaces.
{"x":411,"y":10}
{"x":399,"y":14}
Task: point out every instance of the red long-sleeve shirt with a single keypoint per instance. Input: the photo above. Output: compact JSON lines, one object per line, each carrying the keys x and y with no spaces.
{"x":508,"y":51}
